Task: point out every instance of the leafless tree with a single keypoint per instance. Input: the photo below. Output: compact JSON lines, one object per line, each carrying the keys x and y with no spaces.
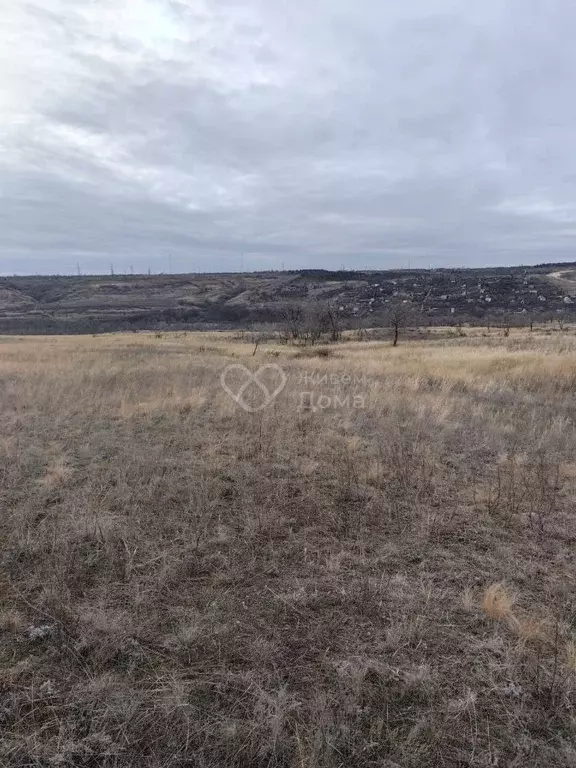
{"x":334,"y":319}
{"x":399,"y":316}
{"x":315,"y":325}
{"x":310,"y":324}
{"x":293,"y":318}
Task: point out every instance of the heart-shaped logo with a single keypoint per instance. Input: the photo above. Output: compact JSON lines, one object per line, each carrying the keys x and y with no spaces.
{"x":237,"y":389}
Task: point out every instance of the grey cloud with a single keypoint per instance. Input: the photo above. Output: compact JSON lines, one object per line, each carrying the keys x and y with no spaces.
{"x":311,"y":134}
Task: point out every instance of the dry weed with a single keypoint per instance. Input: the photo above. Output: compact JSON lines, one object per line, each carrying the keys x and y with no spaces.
{"x":184,"y":583}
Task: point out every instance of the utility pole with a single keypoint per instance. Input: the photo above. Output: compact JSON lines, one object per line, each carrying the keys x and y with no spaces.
{"x":170,"y":263}
{"x":79,"y":271}
{"x":112,"y":270}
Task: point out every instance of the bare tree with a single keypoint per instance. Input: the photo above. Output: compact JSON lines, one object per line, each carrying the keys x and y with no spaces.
{"x":310,"y":323}
{"x":424,"y":300}
{"x":334,"y":319}
{"x":315,"y":325}
{"x":292,"y":320}
{"x":398,"y":317}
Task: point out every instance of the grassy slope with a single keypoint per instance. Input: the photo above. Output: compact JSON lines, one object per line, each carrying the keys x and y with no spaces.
{"x":187,"y":584}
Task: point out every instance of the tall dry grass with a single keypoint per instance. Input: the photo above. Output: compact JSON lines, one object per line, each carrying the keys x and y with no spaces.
{"x":188,"y":584}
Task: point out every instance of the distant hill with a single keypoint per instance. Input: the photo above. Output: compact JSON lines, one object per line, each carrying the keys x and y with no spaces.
{"x":98,"y":304}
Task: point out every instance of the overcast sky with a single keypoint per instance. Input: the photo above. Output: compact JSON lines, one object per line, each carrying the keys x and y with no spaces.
{"x":320,"y":133}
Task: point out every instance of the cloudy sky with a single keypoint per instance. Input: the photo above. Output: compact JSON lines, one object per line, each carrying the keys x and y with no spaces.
{"x":213,"y":134}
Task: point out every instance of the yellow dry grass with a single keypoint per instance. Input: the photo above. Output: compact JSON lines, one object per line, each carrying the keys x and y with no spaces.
{"x":319,"y":583}
{"x":497,"y":603}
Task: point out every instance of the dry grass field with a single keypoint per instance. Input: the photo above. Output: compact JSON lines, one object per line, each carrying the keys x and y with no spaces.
{"x":375,"y":570}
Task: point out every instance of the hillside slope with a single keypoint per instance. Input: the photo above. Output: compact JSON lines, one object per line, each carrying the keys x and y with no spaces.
{"x":97,"y":303}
